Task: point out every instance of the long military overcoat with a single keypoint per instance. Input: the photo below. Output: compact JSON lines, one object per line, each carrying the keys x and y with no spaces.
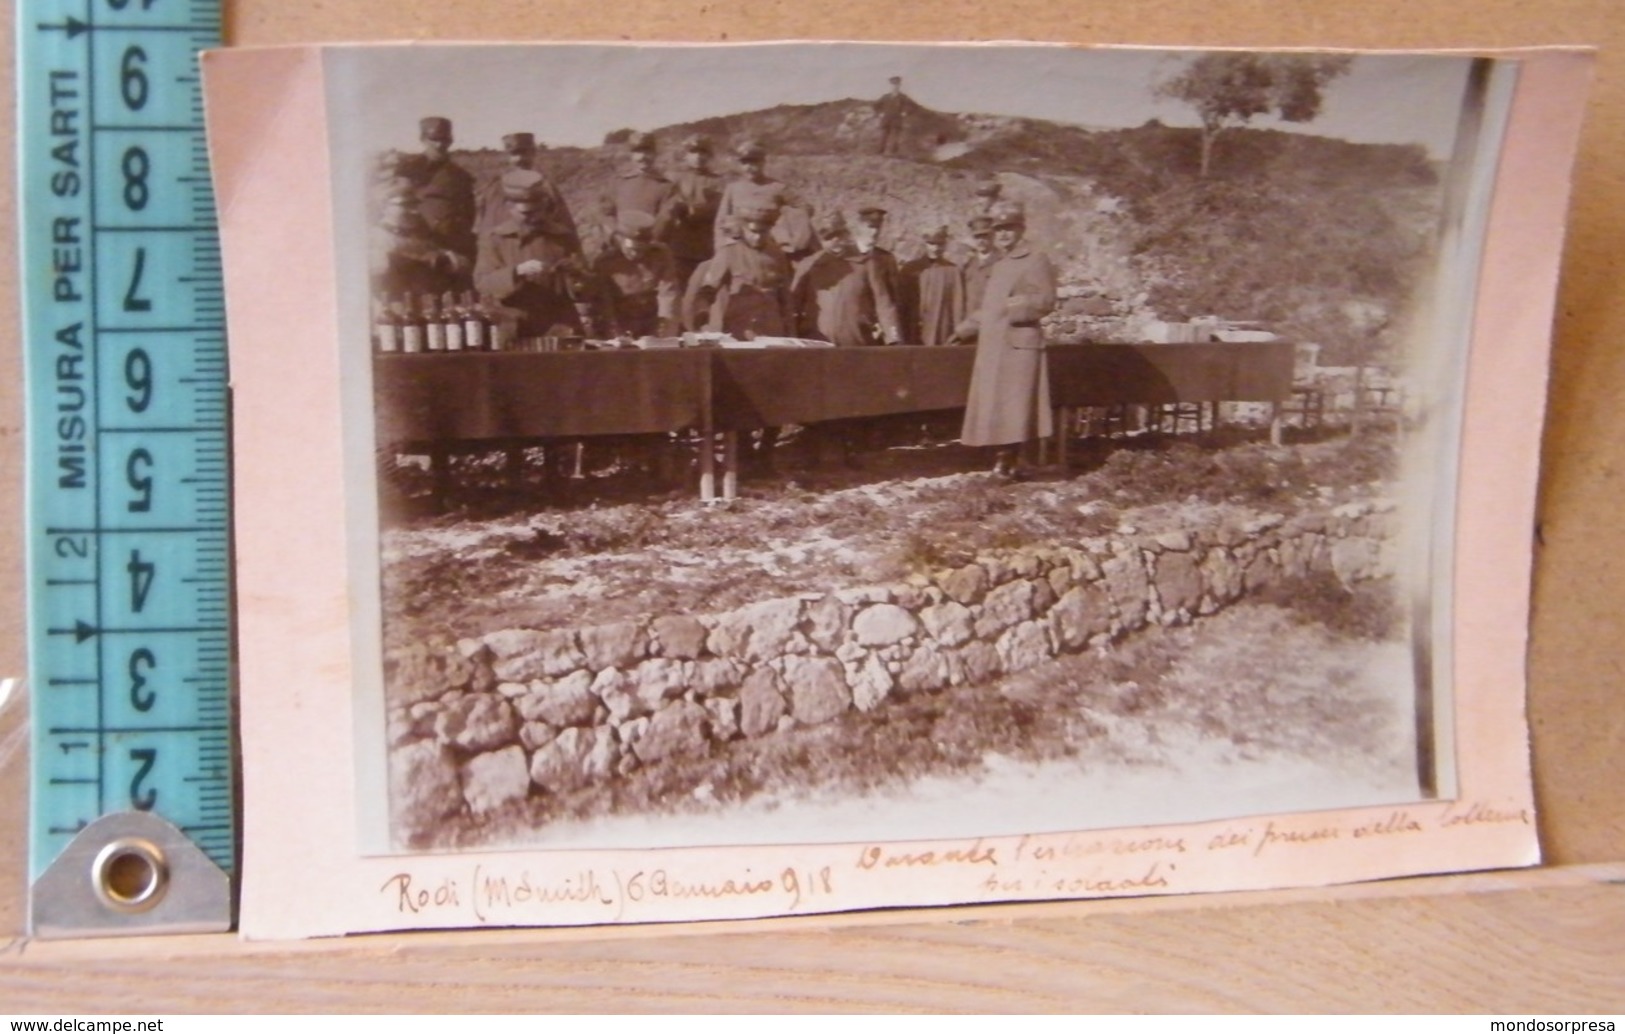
{"x":1009,"y":398}
{"x":933,"y":300}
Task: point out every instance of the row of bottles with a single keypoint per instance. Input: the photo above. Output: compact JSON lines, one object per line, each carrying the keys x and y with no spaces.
{"x":450,"y":323}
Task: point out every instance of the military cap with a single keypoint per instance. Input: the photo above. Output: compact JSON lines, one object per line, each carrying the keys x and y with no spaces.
{"x":894,"y":80}
{"x":640,"y":142}
{"x":830,"y":224}
{"x":524,"y":185}
{"x":434,"y":128}
{"x":937,"y":236}
{"x":519,"y":142}
{"x":988,"y":187}
{"x":697,"y":142}
{"x":869,"y":210}
{"x":981,"y":226}
{"x":637,"y":226}
{"x":1008,"y":213}
{"x":748,"y":149}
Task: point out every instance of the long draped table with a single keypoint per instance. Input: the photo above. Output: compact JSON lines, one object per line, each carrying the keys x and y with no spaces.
{"x":508,"y":396}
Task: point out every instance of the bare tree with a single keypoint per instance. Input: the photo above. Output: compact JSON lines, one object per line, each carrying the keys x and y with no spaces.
{"x":1231,"y":89}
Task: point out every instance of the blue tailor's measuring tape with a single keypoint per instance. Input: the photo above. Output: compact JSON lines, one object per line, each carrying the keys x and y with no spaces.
{"x":132,"y":827}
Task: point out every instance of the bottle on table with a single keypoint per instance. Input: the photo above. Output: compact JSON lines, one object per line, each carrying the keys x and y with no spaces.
{"x":412,"y":332}
{"x":499,"y":331}
{"x":386,"y":327}
{"x":476,"y":336}
{"x":451,"y":316}
{"x":434,"y":331}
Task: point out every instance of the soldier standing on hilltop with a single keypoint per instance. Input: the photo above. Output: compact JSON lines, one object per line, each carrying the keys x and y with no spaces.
{"x":892,"y":109}
{"x":443,"y":196}
{"x":694,"y":211}
{"x":523,"y":153}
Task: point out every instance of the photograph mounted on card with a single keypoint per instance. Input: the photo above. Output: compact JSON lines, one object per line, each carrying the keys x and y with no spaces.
{"x":773,"y":479}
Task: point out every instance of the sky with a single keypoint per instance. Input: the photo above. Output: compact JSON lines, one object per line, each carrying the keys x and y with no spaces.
{"x":574,"y":94}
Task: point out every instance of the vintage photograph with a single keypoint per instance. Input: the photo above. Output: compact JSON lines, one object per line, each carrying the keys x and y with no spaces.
{"x":821,"y":443}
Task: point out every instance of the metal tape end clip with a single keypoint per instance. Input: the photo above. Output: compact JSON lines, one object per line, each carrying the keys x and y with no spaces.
{"x":130,"y":873}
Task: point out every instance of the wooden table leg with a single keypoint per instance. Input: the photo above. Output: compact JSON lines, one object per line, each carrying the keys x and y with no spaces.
{"x":708,"y":463}
{"x":708,"y":431}
{"x":1277,"y":424}
{"x":1063,"y":431}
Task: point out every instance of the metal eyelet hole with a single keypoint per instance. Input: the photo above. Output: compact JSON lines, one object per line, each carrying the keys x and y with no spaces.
{"x":130,"y":875}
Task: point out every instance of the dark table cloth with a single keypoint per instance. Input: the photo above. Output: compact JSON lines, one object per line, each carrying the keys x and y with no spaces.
{"x":517,"y":395}
{"x":486,"y":396}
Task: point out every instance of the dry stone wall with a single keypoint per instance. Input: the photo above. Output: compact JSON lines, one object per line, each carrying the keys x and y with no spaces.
{"x":492,"y":721}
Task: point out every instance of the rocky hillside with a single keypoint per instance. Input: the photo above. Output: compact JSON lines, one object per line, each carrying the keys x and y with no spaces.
{"x":1317,"y":237}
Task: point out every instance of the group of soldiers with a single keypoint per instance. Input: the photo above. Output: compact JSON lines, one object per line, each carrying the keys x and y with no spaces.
{"x":664,"y":253}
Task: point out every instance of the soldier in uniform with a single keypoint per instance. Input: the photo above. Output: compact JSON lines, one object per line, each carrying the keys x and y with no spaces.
{"x":641,"y":189}
{"x":871,"y":222}
{"x":694,"y":211}
{"x":935,"y":292}
{"x":748,"y":279}
{"x":525,"y":268}
{"x":792,"y":227}
{"x":443,"y":193}
{"x":406,"y":260}
{"x":746,"y":289}
{"x":980,"y":263}
{"x":524,"y":153}
{"x":598,"y":232}
{"x":838,"y":294}
{"x":638,"y":281}
{"x":892,"y":109}
{"x":1009,"y":400}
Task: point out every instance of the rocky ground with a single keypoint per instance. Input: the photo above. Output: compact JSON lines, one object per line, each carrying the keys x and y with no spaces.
{"x":608,"y":546}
